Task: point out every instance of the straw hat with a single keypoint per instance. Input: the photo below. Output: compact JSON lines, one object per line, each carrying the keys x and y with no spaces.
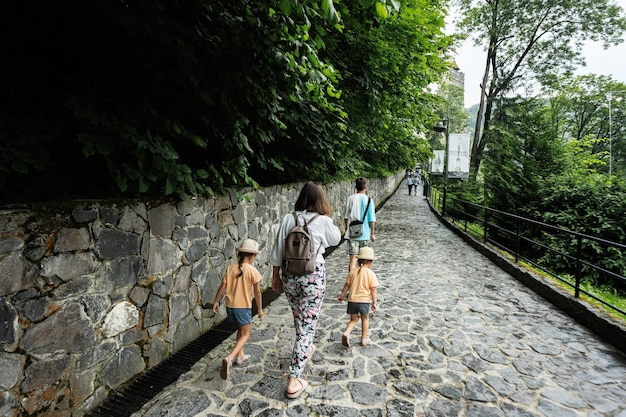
{"x":366,"y":253}
{"x":249,"y":246}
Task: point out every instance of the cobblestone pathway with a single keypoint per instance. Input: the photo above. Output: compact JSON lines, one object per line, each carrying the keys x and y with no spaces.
{"x":454,"y":336}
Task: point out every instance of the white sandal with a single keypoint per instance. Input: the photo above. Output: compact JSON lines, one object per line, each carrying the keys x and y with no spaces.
{"x":296,"y":394}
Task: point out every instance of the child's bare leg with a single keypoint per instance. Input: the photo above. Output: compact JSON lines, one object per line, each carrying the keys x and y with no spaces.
{"x":243,"y":334}
{"x":345,"y":338}
{"x":365,"y":325}
{"x":354,"y":319}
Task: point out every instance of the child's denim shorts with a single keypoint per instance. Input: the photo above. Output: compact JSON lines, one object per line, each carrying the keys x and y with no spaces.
{"x":362,"y":309}
{"x":241,"y":316}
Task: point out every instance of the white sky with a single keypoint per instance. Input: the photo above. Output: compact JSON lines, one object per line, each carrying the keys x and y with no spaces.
{"x":612,"y":61}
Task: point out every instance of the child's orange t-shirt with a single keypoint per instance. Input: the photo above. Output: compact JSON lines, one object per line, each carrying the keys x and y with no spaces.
{"x":239,"y":288}
{"x":361,"y":281}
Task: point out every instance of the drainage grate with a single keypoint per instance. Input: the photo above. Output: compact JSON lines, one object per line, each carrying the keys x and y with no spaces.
{"x":132,"y":397}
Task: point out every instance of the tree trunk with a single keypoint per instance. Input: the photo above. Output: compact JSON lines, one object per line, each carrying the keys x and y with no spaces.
{"x":476,"y":143}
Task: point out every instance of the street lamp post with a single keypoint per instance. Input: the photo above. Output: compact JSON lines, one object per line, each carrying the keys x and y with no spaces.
{"x":609,"y":96}
{"x":441,"y":127}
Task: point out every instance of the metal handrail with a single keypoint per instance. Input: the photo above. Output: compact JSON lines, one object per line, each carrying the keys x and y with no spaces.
{"x":492,"y":230}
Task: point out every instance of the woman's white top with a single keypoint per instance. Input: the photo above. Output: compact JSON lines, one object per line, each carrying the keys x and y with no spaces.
{"x":324,"y":232}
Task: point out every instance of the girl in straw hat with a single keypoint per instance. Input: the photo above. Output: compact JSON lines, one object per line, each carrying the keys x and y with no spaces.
{"x":239,"y":282}
{"x":362,"y":283}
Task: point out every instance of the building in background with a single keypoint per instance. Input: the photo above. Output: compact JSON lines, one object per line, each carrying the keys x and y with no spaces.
{"x":457,"y":77}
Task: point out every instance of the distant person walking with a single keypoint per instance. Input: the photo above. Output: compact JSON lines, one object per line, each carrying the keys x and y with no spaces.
{"x":361,"y":284}
{"x":417,"y":180}
{"x":409,"y":180}
{"x":360,"y":208}
{"x":239,"y":282}
{"x":305,"y":293}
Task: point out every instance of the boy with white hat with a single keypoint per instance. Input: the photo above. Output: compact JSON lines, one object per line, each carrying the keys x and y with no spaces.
{"x":362,"y":284}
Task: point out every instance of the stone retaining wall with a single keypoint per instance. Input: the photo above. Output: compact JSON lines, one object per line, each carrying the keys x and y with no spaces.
{"x":94,"y":293}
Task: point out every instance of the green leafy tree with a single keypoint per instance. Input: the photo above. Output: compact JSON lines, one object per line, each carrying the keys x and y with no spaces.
{"x":587,"y":202}
{"x":533,"y":170}
{"x":586,"y":112}
{"x":162,"y":99}
{"x":528,"y":41}
{"x":527,"y":150}
{"x":386,"y":67}
{"x":149,"y":98}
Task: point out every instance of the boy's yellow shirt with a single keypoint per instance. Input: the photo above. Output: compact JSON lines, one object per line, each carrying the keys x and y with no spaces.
{"x":361,"y":281}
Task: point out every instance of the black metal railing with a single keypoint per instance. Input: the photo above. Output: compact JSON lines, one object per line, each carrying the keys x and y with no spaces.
{"x":519,"y":236}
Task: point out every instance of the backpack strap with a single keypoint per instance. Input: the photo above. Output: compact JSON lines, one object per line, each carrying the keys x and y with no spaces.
{"x":295,"y":217}
{"x":366,"y":207}
{"x":306,"y":224}
{"x":312,"y":218}
{"x":311,"y":221}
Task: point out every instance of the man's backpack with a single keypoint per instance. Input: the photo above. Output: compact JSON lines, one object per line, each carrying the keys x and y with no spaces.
{"x":300,"y":255}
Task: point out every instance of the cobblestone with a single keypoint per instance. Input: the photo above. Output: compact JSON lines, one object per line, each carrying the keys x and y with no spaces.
{"x":454,"y":336}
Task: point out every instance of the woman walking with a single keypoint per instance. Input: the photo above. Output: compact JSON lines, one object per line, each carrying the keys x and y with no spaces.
{"x":305,"y":293}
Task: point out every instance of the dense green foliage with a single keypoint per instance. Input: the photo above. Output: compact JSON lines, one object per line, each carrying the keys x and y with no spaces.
{"x":524,"y":152}
{"x":593,"y":107}
{"x":538,"y":167}
{"x":589,"y":205}
{"x":150,"y":98}
{"x":386,"y":67}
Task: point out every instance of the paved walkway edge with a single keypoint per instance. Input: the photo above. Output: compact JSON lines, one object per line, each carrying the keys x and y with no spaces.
{"x":598,"y":321}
